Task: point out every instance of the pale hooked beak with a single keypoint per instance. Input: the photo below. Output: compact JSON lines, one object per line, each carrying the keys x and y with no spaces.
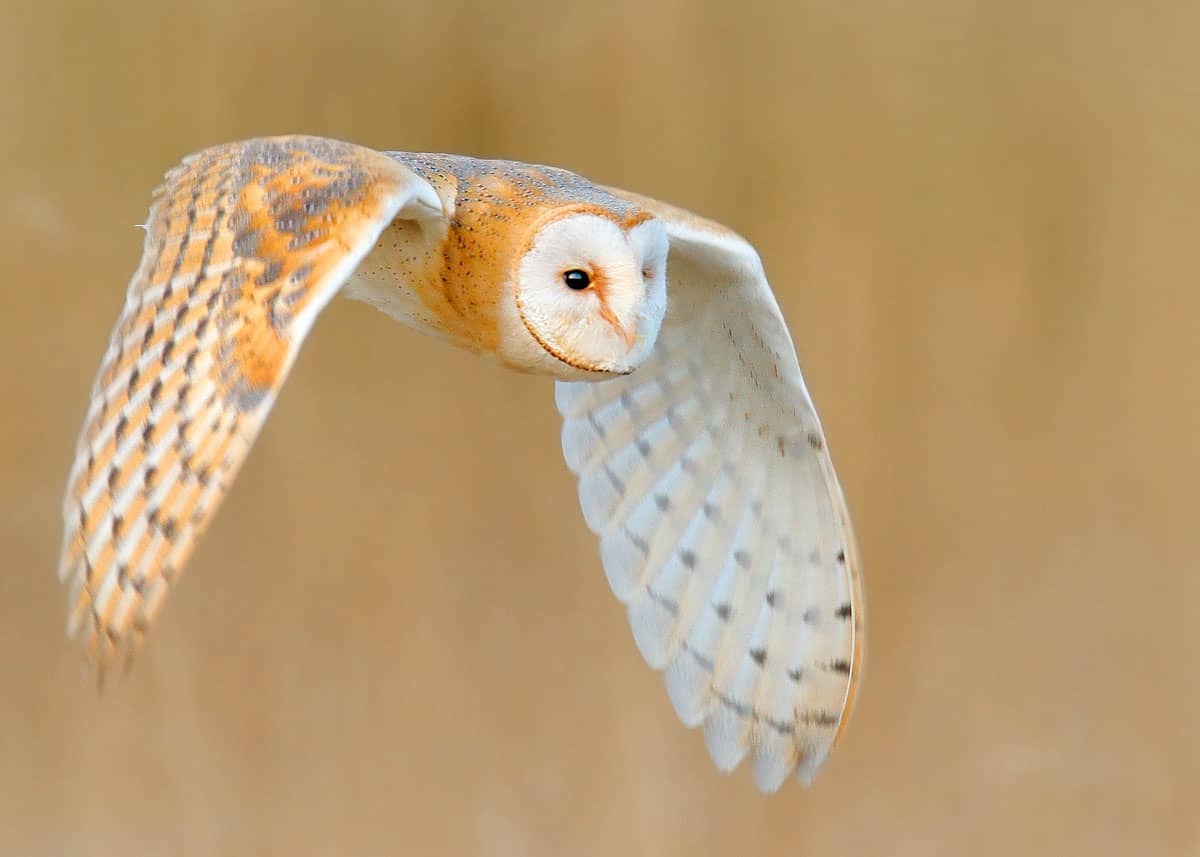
{"x":629,"y":336}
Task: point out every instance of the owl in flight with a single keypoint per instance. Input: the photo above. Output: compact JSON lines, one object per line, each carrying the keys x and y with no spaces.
{"x":702,"y":466}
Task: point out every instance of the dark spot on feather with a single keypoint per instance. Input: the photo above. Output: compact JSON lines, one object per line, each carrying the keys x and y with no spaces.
{"x":773,"y":598}
{"x":759,"y":656}
{"x":668,"y":604}
{"x":300,"y":274}
{"x":845,"y":611}
{"x":840,"y":666}
{"x":723,"y":611}
{"x":239,"y":219}
{"x":246,"y":243}
{"x":795,"y":674}
{"x":780,"y":726}
{"x":738,"y":708}
{"x":818,"y":718}
{"x":270,"y":272}
{"x":688,"y":558}
{"x":637,"y":541}
{"x":249,"y":397}
{"x":742,"y":558}
{"x":662,"y":501}
{"x":700,"y":658}
{"x":303,"y":238}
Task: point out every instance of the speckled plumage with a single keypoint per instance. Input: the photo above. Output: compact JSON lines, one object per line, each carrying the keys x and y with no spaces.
{"x":702,"y":465}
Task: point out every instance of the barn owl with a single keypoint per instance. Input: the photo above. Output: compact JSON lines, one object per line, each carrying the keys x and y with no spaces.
{"x":701,"y":464}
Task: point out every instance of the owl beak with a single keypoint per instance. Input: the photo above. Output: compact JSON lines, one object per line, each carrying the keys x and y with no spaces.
{"x":606,"y":313}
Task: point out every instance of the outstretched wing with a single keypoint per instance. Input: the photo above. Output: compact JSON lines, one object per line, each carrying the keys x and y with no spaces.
{"x":245,"y":244}
{"x":722,"y":526}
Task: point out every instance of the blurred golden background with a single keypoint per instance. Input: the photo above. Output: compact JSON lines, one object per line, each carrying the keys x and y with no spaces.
{"x":980,"y":219}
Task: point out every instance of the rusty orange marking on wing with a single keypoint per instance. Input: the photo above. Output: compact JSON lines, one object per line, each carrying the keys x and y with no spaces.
{"x":294,"y":248}
{"x":97,"y":516}
{"x":240,"y":239}
{"x":137,"y":556}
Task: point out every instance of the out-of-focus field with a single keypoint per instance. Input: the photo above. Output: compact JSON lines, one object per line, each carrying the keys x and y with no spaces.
{"x":981,"y":222}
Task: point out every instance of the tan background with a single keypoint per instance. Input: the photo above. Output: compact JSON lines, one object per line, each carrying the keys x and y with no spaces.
{"x":981,"y":220}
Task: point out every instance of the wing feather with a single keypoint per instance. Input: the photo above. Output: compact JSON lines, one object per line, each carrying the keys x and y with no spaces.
{"x":722,"y":526}
{"x":245,"y":243}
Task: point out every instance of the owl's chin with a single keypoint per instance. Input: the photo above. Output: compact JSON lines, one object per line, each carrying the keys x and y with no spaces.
{"x":573,"y":367}
{"x":523,"y":345}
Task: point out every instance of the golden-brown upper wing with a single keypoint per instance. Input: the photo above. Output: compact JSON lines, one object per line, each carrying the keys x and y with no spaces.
{"x":245,"y":244}
{"x":722,"y":526}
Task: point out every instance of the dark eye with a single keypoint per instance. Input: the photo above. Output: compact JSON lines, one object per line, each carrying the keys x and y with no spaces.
{"x":577,"y":278}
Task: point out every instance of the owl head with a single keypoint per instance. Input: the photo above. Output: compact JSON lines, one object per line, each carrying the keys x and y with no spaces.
{"x":590,"y":292}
